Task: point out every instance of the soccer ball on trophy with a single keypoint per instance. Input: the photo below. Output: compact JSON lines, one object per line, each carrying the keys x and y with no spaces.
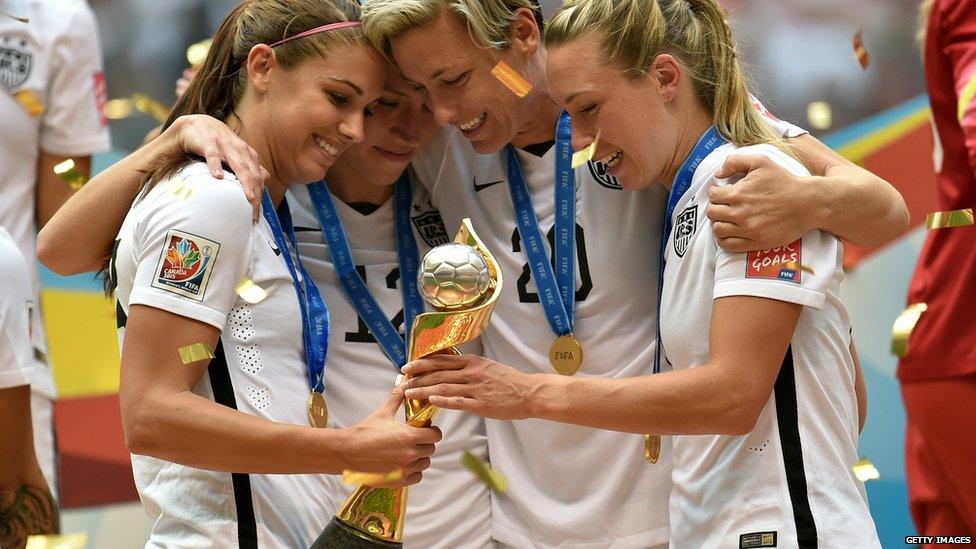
{"x":454,"y":276}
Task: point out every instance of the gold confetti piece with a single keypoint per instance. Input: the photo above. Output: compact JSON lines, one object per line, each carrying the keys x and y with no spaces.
{"x":820,"y":115}
{"x":495,"y":481}
{"x":355,"y":478}
{"x":587,"y":154}
{"x":904,"y":326}
{"x":118,"y":109}
{"x":512,"y":79}
{"x":30,"y":102}
{"x":251,"y":292}
{"x":863,"y":57}
{"x":147,"y":105}
{"x":966,"y":97}
{"x":948,"y":220}
{"x":23,"y":20}
{"x":69,"y":541}
{"x":196,"y":353}
{"x":864,"y":470}
{"x":181,"y":189}
{"x":69,"y":173}
{"x":196,"y":54}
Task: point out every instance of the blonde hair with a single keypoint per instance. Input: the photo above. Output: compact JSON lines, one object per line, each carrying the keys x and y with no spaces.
{"x":489,"y":21}
{"x":635,"y":32}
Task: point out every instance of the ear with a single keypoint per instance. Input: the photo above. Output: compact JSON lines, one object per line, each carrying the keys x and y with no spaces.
{"x":260,"y":63}
{"x":525,"y":36}
{"x":666,"y":74}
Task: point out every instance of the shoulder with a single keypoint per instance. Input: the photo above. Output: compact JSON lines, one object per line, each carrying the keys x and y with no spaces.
{"x":717,"y":159}
{"x":192,"y":194}
{"x":63,"y":18}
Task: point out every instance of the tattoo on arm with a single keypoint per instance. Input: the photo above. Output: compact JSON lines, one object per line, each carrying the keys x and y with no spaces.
{"x":28,"y":511}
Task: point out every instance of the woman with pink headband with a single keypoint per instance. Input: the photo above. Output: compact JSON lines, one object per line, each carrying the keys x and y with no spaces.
{"x":224,"y":334}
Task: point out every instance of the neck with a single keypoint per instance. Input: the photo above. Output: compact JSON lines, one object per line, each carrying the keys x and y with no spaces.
{"x":691,"y":131}
{"x":350,"y":186}
{"x":275,"y":186}
{"x":539,"y":111}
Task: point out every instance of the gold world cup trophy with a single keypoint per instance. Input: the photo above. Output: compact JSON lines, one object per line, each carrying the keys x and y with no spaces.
{"x":462,"y":282}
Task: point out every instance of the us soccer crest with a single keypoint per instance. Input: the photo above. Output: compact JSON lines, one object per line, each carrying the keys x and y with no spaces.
{"x":16,"y":62}
{"x":185,"y":264}
{"x":602,"y":175}
{"x":430,"y":227}
{"x":684,"y":229}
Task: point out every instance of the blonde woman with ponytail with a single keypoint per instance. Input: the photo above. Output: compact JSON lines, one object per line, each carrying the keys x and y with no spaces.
{"x":757,"y":377}
{"x":220,"y":389}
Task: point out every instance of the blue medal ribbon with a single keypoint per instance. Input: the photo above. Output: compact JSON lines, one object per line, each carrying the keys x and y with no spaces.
{"x":556,"y":285}
{"x":315,"y":314}
{"x":355,"y":288}
{"x":707,"y":144}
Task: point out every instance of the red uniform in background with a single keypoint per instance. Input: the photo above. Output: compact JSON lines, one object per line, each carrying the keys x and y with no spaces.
{"x":938,"y":373}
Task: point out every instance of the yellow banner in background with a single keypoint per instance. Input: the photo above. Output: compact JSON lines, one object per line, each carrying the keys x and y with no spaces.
{"x":83,"y":344}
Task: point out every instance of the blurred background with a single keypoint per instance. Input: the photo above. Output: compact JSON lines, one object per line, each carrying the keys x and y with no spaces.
{"x":798,"y":52}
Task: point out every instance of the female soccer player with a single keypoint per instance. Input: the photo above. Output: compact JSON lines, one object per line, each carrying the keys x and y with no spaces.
{"x":292,"y":77}
{"x":763,"y":379}
{"x":366,"y":212}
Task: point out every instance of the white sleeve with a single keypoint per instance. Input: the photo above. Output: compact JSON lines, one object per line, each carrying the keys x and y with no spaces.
{"x":73,"y":123}
{"x":191,"y":254}
{"x":801,"y":272}
{"x":16,"y":355}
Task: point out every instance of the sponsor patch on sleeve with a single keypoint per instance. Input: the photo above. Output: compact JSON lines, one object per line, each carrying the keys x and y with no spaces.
{"x":756,"y":540}
{"x":781,"y":263}
{"x":185,"y":264}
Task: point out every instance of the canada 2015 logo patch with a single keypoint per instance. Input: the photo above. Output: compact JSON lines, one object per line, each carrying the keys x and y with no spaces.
{"x":186,"y":264}
{"x":781,"y":263}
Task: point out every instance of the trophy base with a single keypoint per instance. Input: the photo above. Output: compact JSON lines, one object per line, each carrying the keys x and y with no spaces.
{"x":338,"y":535}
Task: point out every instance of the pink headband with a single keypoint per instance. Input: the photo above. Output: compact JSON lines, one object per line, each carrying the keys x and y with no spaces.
{"x":317,"y":30}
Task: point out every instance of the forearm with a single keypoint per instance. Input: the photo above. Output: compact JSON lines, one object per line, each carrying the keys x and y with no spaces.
{"x":26,"y":510}
{"x":186,"y":428}
{"x":700,"y":400}
{"x":80,"y":235}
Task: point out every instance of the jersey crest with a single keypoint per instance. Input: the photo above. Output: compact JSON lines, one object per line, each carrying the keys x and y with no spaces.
{"x":602,"y":176}
{"x":430,"y":227}
{"x":186,"y":264}
{"x":15,"y":64}
{"x":684,"y":229}
{"x":781,"y":263}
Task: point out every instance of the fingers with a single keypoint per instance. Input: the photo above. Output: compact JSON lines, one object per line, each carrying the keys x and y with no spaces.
{"x":741,"y":164}
{"x":735,"y":245}
{"x":422,"y":393}
{"x":427,"y":436}
{"x":463,"y":404}
{"x":457,"y":377}
{"x":211,"y":153}
{"x":721,"y":213}
{"x":435,"y":363}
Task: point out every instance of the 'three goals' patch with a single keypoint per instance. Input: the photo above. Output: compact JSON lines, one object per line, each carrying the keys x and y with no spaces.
{"x":185,"y":264}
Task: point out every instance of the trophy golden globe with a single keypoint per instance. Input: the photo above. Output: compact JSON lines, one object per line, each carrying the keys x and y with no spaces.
{"x":462,"y":282}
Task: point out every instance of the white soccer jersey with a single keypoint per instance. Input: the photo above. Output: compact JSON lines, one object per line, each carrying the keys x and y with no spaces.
{"x":186,"y":255}
{"x":569,"y":486}
{"x":16,"y":361}
{"x":789,"y":482}
{"x":450,"y":508}
{"x":56,"y":59}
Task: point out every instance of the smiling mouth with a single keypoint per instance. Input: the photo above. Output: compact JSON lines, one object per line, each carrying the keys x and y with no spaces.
{"x":325,"y":146}
{"x":474,"y":124}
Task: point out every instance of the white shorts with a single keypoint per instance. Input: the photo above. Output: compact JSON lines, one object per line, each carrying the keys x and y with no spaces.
{"x":42,"y":416}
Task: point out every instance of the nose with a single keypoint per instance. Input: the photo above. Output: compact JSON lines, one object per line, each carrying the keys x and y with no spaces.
{"x":444,"y":110}
{"x":352,"y":127}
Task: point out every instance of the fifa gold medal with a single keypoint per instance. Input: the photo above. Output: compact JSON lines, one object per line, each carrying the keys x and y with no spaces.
{"x":566,"y":355}
{"x":318,"y":410}
{"x":652,"y":448}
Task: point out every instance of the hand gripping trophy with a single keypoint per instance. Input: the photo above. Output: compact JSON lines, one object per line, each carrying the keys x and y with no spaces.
{"x":462,"y":282}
